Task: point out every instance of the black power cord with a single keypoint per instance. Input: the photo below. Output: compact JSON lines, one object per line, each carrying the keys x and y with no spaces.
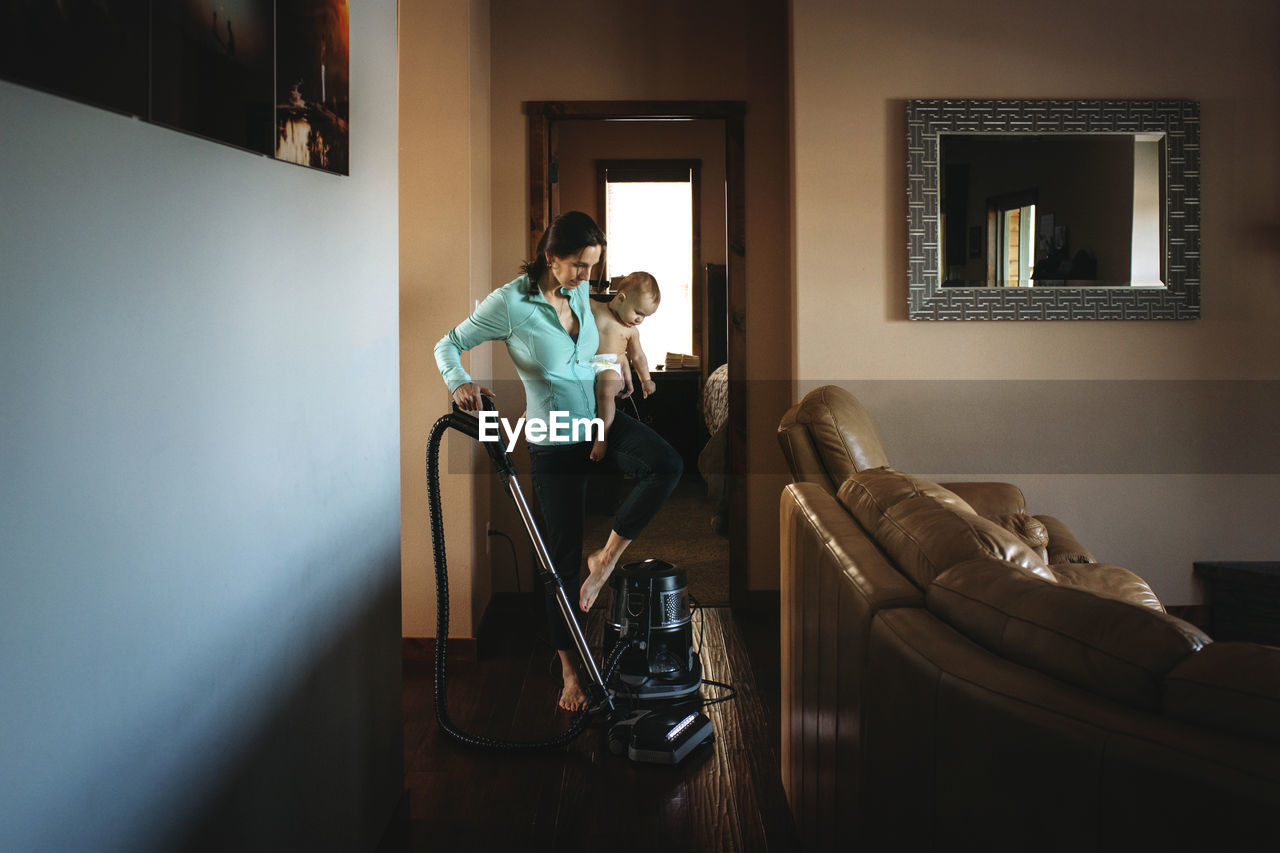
{"x":515,"y":560}
{"x":702,"y":624}
{"x":579,"y":721}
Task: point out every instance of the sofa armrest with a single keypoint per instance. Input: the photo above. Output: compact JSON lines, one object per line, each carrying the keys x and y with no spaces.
{"x":1005,"y":504}
{"x":827,"y":436}
{"x":802,"y":456}
{"x":1064,"y":547}
{"x":833,"y":581}
{"x":992,"y":501}
{"x":819,"y":533}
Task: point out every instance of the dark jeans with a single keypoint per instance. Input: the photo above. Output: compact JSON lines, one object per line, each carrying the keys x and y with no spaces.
{"x":560,"y":474}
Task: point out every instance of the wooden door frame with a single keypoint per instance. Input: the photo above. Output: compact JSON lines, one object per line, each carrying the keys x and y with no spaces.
{"x":544,"y":120}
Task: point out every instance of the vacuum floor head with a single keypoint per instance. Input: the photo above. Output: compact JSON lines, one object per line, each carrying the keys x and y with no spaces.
{"x":658,"y":737}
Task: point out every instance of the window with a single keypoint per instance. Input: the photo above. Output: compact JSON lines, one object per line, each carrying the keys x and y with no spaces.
{"x":650,"y":216}
{"x":1011,"y":228}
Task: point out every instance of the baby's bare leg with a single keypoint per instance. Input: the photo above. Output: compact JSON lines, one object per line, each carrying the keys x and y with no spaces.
{"x":608,"y":386}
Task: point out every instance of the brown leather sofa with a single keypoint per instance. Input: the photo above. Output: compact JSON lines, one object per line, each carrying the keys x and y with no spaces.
{"x":960,"y":675}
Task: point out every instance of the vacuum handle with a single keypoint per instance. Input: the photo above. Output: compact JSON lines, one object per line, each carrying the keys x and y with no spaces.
{"x":468,"y":423}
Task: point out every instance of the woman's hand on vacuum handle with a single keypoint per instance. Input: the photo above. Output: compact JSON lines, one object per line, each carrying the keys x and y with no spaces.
{"x":467,"y":396}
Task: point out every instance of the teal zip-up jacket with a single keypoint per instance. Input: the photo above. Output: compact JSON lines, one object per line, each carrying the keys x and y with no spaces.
{"x":556,"y":370}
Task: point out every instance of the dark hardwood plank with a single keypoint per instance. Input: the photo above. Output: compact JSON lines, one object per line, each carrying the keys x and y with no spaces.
{"x":726,"y":797}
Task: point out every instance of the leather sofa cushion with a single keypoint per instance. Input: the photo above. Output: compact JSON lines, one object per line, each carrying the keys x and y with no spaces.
{"x":1233,"y":687}
{"x":1107,"y":579}
{"x":1105,"y":645}
{"x":926,"y":529}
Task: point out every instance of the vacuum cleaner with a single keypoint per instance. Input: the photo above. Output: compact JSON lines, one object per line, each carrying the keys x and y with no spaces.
{"x":648,"y":693}
{"x":651,"y":601}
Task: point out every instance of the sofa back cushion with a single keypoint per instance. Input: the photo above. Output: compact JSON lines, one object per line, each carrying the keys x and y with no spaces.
{"x":926,"y":529}
{"x":1105,"y":645}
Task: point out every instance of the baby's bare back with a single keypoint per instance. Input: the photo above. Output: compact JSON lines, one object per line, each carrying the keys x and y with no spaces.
{"x":613,"y":335}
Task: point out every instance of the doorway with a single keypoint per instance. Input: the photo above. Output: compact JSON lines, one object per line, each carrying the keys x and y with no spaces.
{"x":547,"y":121}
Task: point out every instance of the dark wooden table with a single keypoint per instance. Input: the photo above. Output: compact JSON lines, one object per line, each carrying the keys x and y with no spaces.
{"x":674,"y":411}
{"x":1244,"y":599}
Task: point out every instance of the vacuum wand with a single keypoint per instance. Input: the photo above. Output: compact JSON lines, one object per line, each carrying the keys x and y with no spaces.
{"x":469,"y":424}
{"x":550,"y":577}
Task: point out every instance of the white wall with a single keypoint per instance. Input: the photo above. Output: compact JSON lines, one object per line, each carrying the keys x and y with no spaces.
{"x":199,"y":482}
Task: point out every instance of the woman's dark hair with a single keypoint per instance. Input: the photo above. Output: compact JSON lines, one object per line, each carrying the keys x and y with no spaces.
{"x":568,"y":234}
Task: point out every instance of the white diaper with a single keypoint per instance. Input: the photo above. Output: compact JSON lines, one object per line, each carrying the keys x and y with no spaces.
{"x":603,"y":361}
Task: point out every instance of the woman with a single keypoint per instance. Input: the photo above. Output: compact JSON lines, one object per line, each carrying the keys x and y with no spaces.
{"x":545,"y":319}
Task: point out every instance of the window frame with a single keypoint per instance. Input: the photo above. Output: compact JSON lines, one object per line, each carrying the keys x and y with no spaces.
{"x":665,"y":170}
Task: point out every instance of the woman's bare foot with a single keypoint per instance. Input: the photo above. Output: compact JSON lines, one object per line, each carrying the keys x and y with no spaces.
{"x":597,"y":450}
{"x":599,"y":567}
{"x":572,"y":697}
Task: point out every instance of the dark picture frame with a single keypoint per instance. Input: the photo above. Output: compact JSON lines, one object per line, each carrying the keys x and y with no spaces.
{"x":212,"y":74}
{"x":267,"y":76}
{"x":1179,"y":124}
{"x":93,"y":51}
{"x":313,"y":85}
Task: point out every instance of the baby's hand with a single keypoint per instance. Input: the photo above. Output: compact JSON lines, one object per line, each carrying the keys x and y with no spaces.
{"x":650,"y":387}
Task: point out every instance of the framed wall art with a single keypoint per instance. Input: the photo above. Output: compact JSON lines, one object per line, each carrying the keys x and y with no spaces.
{"x":267,"y":76}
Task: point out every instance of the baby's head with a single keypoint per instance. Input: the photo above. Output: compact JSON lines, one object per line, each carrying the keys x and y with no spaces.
{"x":637,"y":297}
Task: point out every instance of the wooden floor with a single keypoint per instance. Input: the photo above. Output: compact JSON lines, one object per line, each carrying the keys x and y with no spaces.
{"x":726,"y":796}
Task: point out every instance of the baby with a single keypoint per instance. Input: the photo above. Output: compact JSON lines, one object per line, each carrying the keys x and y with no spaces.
{"x":618,"y":320}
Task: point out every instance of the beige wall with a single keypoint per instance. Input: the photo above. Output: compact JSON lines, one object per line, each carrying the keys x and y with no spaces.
{"x":638,"y":140}
{"x":856,"y":65}
{"x":444,"y":266}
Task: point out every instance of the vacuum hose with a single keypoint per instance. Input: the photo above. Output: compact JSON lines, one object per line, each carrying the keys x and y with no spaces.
{"x":579,"y":720}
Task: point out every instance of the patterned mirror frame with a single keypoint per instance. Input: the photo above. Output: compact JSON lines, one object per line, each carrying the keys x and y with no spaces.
{"x":1178,"y":120}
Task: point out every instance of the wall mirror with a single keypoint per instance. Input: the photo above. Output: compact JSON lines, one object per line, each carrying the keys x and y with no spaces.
{"x":1053,"y":210}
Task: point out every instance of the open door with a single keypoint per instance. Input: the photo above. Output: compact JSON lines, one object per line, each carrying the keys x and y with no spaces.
{"x":547,"y":119}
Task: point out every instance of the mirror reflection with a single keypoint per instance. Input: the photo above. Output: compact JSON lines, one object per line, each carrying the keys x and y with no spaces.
{"x":1052,"y":210}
